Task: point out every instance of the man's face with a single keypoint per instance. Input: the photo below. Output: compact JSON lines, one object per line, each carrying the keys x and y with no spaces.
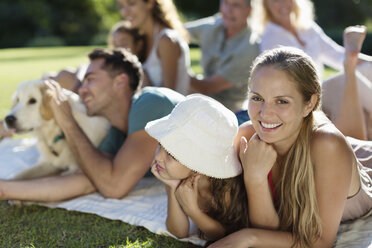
{"x":97,"y":89}
{"x":235,"y":14}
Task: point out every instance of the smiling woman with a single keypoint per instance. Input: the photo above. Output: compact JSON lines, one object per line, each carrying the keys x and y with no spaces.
{"x":167,"y":53}
{"x":301,"y":175}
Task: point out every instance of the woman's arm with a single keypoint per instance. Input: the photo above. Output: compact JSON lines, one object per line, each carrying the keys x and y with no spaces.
{"x":257,"y":158}
{"x":169,"y":52}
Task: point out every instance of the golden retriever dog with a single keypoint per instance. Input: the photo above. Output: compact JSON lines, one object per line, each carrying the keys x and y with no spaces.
{"x":31,"y":113}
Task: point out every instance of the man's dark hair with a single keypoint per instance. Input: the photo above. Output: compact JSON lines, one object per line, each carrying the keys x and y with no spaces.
{"x":119,"y":60}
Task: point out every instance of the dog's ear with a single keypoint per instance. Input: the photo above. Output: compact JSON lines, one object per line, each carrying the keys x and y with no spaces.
{"x":45,"y":109}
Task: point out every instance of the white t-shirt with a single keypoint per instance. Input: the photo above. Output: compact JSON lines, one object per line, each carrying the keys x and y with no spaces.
{"x":322,"y":49}
{"x":153,"y":67}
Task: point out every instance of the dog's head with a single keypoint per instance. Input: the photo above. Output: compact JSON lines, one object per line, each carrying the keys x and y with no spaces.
{"x":30,"y":107}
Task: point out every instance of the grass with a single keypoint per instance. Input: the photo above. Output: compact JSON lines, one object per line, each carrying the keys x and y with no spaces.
{"x":36,"y":226}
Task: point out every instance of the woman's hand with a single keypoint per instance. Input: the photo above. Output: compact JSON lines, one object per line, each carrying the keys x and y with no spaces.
{"x":257,"y":158}
{"x":59,"y":103}
{"x":187,"y":195}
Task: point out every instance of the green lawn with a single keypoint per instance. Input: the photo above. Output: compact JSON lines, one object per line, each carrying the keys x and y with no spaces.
{"x":35,"y":226}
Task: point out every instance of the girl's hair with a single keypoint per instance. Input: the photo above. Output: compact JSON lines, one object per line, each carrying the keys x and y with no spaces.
{"x":165,"y":13}
{"x":229,"y":203}
{"x":302,"y":16}
{"x":298,"y":210}
{"x":125,"y":27}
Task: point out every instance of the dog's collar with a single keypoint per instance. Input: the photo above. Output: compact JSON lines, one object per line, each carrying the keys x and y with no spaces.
{"x":59,"y":137}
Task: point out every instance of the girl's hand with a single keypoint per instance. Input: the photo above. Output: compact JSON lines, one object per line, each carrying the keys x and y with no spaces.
{"x":187,"y":195}
{"x":59,"y":103}
{"x":172,"y":184}
{"x":257,"y":158}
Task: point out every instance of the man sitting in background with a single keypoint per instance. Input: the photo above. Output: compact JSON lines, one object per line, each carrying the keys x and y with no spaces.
{"x":228,"y":51}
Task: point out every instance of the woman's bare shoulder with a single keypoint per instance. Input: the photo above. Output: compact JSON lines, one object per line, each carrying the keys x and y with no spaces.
{"x":329,"y":144}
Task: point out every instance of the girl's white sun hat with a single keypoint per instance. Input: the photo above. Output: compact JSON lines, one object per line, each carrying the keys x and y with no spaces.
{"x":199,"y":133}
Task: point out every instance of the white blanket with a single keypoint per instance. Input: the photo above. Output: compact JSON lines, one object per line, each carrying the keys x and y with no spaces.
{"x":146,"y":205}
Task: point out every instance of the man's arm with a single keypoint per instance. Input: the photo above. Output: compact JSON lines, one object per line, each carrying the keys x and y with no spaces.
{"x":112,"y":177}
{"x":211,"y":85}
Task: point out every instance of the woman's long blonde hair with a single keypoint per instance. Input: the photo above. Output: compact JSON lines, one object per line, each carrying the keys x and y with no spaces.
{"x":302,"y":16}
{"x":298,"y":210}
{"x":165,"y":13}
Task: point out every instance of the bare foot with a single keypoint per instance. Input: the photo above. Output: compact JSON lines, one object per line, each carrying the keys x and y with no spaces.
{"x":353,"y":41}
{"x":354,"y":37}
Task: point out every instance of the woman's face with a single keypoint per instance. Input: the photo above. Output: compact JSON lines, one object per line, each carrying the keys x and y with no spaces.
{"x":275,"y":106}
{"x":136,"y":11}
{"x":168,"y":167}
{"x":279,"y":10}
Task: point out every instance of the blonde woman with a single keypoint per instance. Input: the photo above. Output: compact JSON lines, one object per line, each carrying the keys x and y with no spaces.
{"x":167,"y":53}
{"x":291,"y":23}
{"x":301,"y":174}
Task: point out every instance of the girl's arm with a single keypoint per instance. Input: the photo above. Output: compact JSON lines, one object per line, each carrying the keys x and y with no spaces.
{"x":177,"y":221}
{"x":169,"y":52}
{"x":187,"y":196}
{"x":333,"y":160}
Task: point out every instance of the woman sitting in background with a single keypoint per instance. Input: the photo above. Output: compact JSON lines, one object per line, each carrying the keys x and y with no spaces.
{"x":167,"y":52}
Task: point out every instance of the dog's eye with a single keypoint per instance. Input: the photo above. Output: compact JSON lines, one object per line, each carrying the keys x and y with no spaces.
{"x":32,"y":101}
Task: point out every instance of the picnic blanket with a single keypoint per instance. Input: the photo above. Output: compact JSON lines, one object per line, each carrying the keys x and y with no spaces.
{"x":146,"y":205}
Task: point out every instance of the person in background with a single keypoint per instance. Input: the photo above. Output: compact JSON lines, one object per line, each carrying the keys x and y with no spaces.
{"x":197,"y":162}
{"x":123,"y":35}
{"x":167,"y":53}
{"x":291,"y":23}
{"x":228,"y":51}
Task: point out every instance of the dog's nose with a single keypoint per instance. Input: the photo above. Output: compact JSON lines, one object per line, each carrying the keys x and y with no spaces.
{"x":10,"y":120}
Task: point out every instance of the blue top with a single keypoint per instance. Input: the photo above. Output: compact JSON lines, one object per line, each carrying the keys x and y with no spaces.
{"x":150,"y":104}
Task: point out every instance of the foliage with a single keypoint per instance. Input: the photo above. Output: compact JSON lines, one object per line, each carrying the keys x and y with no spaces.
{"x":196,"y":8}
{"x":340,"y":14}
{"x":74,"y":21}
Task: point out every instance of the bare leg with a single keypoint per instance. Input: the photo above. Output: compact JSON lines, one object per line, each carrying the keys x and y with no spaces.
{"x":350,"y":119}
{"x":47,"y":189}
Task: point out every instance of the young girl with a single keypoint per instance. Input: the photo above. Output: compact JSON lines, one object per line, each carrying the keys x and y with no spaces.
{"x":123,"y":35}
{"x":167,"y":52}
{"x":199,"y":166}
{"x":301,"y":174}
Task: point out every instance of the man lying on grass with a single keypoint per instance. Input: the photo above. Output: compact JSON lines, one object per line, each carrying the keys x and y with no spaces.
{"x":111,"y":88}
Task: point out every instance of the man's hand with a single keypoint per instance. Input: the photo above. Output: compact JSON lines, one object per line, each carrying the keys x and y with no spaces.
{"x":187,"y":195}
{"x":59,"y":103}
